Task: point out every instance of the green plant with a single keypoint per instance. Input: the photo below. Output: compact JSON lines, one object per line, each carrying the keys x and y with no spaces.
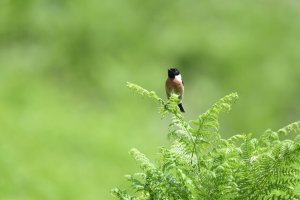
{"x":202,"y":165}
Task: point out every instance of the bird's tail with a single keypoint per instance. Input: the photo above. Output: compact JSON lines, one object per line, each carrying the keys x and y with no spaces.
{"x":181,"y":107}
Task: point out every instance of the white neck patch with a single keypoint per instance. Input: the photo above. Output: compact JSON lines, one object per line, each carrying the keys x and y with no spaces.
{"x":178,"y":77}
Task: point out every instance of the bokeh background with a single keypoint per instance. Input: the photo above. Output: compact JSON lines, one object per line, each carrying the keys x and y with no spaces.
{"x":67,"y":119}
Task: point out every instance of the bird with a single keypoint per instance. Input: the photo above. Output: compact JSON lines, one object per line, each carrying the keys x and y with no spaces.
{"x":174,"y":84}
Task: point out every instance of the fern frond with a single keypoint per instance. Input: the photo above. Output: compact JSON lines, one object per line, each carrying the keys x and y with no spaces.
{"x":122,"y":194}
{"x":136,"y":183}
{"x":143,"y":161}
{"x":166,"y":107}
{"x":202,"y":165}
{"x":208,"y":121}
{"x":291,"y":128}
{"x":143,"y":92}
{"x":222,"y":105}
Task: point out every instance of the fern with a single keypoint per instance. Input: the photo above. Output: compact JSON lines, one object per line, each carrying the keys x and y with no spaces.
{"x":200,"y":164}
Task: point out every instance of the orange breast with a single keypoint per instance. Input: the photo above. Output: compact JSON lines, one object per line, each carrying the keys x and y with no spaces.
{"x":174,"y":85}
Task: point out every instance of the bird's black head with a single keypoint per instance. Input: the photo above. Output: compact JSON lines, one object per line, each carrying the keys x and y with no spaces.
{"x":172,"y":72}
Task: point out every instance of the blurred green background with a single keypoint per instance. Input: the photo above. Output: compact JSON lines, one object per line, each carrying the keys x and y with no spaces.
{"x":67,"y":119}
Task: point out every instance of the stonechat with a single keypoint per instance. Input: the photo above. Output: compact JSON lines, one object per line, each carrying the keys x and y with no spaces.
{"x":174,"y":84}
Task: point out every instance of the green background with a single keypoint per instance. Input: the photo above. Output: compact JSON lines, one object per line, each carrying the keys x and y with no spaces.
{"x":67,"y":119}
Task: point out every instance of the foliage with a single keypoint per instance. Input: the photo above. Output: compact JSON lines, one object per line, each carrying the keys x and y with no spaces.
{"x":202,"y":165}
{"x":64,"y":107}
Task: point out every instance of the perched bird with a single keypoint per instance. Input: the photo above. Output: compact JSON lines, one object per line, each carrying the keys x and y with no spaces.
{"x":174,"y":84}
